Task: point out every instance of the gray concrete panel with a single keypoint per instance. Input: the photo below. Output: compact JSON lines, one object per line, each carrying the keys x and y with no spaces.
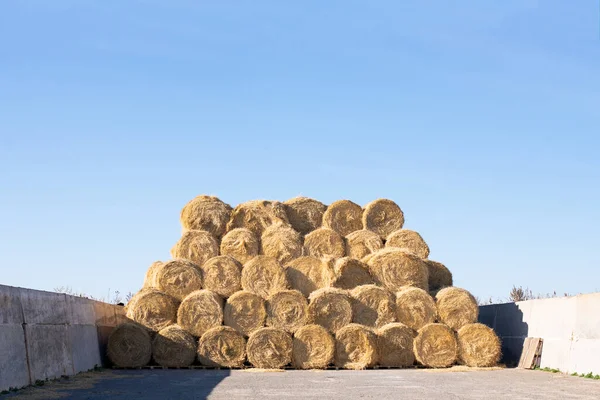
{"x":48,"y":348}
{"x":85,"y":352}
{"x":13,"y":357}
{"x":81,"y":311}
{"x":44,"y":307}
{"x":10,"y":305}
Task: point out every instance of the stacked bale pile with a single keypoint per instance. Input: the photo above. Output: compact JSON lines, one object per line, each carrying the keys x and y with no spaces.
{"x":300,"y":284}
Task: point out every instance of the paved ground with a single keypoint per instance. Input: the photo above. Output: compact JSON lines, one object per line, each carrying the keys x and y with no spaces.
{"x":380,"y":384}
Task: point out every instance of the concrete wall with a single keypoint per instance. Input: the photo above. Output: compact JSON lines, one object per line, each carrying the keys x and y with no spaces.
{"x":45,"y":335}
{"x":570,"y":327}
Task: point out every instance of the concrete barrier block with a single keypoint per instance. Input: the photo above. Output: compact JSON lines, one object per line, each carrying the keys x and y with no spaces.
{"x":48,"y":348}
{"x":543,"y":322}
{"x":44,"y":307}
{"x":81,"y":311}
{"x":13,"y":357}
{"x":587,"y":320}
{"x":585,"y":356}
{"x":104,"y":314}
{"x":10,"y":306}
{"x":84,"y":347}
{"x":556,"y":354}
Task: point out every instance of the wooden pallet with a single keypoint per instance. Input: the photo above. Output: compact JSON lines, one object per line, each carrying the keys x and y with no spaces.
{"x":532,"y":353}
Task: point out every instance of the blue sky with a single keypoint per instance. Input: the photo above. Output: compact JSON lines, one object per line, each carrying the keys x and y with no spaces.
{"x":480,"y":119}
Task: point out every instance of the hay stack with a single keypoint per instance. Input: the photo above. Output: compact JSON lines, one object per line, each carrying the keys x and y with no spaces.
{"x":350,"y":273}
{"x":478,"y":346}
{"x":135,"y":297}
{"x":313,"y":348}
{"x":355,"y":347}
{"x":174,"y":347}
{"x":264,"y":276}
{"x":410,"y":240}
{"x":331,"y":308}
{"x":129,"y":346}
{"x":415,"y":308}
{"x":307,"y":274}
{"x":206,"y":213}
{"x":257,"y":215}
{"x":372,"y":306}
{"x":150,"y":278}
{"x":245,"y":312}
{"x":393,"y":268}
{"x":287,"y":310}
{"x":178,"y":278}
{"x":324,"y":242}
{"x":383,"y":217}
{"x":343,"y":216}
{"x":395,"y":345}
{"x":200,"y":311}
{"x":456,"y":307}
{"x":439,"y":276}
{"x":222,"y":275}
{"x":361,"y":243}
{"x":281,"y":242}
{"x":435,"y":346}
{"x":305,"y":214}
{"x":241,"y":244}
{"x":222,"y":346}
{"x":269,"y":348}
{"x":153,"y":309}
{"x":196,"y":246}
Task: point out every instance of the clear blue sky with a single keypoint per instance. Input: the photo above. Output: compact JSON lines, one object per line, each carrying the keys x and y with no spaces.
{"x":481,"y":119}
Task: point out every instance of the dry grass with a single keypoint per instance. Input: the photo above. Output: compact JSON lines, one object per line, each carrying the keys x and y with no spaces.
{"x":415,"y":308}
{"x":478,"y":346}
{"x":287,"y":310}
{"x":331,"y":308}
{"x":178,"y":278}
{"x":350,"y":273}
{"x":257,"y":215}
{"x":456,"y":307}
{"x":153,"y":309}
{"x":355,"y":347}
{"x":394,"y":268}
{"x":150,"y":278}
{"x":395,"y":345}
{"x":439,"y":276}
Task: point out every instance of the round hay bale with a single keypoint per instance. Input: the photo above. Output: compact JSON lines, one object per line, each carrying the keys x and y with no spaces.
{"x":241,"y":244}
{"x":372,"y":306}
{"x":281,"y":242}
{"x":383,"y":217}
{"x":153,"y":309}
{"x":222,"y":275}
{"x":287,"y":310}
{"x":478,"y":346}
{"x":410,"y":240}
{"x":435,"y":346}
{"x":415,"y":308}
{"x":264,"y":276}
{"x":305,"y":214}
{"x":269,"y":348}
{"x":174,"y":347}
{"x":200,"y":311}
{"x":361,"y":243}
{"x":307,"y":274}
{"x":222,"y":346}
{"x":324,"y":242}
{"x":150,"y":278}
{"x":343,"y":216}
{"x":312,"y":348}
{"x":456,"y":307}
{"x":331,"y":308}
{"x":178,"y":278}
{"x":206,"y":213}
{"x":196,"y":246}
{"x":439,"y":276}
{"x":350,"y":273}
{"x":129,"y":346}
{"x":355,"y":347}
{"x":245,"y":312}
{"x":393,"y":268}
{"x":395,"y":345}
{"x":136,"y":296}
{"x":257,"y":215}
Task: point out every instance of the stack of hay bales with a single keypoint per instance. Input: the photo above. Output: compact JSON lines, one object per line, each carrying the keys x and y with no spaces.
{"x":300,"y":284}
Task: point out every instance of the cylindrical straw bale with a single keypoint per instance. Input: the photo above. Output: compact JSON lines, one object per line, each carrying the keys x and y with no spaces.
{"x":313,"y":347}
{"x":456,"y":307}
{"x":395,"y":345}
{"x":372,"y":306}
{"x":150,"y":279}
{"x":222,"y":346}
{"x":196,"y":246}
{"x":287,"y":310}
{"x":305,"y":214}
{"x":200,"y":311}
{"x":410,"y":240}
{"x":415,"y":308}
{"x":281,"y":242}
{"x":350,"y":273}
{"x":307,"y":274}
{"x":439,"y":276}
{"x":435,"y":346}
{"x":241,"y":244}
{"x":245,"y":312}
{"x":257,"y":215}
{"x":174,"y":347}
{"x":355,"y":347}
{"x":324,"y":242}
{"x":206,"y":213}
{"x":136,"y":296}
{"x":129,"y":346}
{"x":343,"y":216}
{"x":478,"y":346}
{"x":361,"y":243}
{"x":383,"y":217}
{"x":393,"y":268}
{"x":264,"y":276}
{"x":269,"y":348}
{"x":331,"y":308}
{"x":222,"y":275}
{"x":178,"y":278}
{"x":153,"y":309}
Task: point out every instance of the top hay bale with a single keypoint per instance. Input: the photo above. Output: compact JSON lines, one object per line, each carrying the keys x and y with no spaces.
{"x":410,"y":240}
{"x":394,"y":268}
{"x":383,"y":217}
{"x":206,"y":213}
{"x":361,"y":243}
{"x":241,"y":244}
{"x":456,"y":307}
{"x":257,"y":215}
{"x":343,"y":216}
{"x":305,"y":214}
{"x":281,"y":242}
{"x":196,"y":246}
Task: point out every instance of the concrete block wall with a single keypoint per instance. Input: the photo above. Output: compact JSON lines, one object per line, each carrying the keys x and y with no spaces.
{"x":570,"y":327}
{"x":45,"y":335}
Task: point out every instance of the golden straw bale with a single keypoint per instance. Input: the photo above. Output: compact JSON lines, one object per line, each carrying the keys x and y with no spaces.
{"x":361,"y":243}
{"x":372,"y":306}
{"x":200,"y":311}
{"x":222,"y":346}
{"x":331,"y":308}
{"x":206,"y":213}
{"x":350,"y":273}
{"x":178,"y":278}
{"x":129,"y":346}
{"x":174,"y":347}
{"x":307,"y":274}
{"x":150,"y":279}
{"x":136,"y":296}
{"x":153,"y":309}
{"x":196,"y":246}
{"x":478,"y":346}
{"x":305,"y":214}
{"x":257,"y":215}
{"x":393,"y":268}
{"x":383,"y":217}
{"x":241,"y":244}
{"x":343,"y":216}
{"x":222,"y":275}
{"x":410,"y":240}
{"x":456,"y":307}
{"x":355,"y":347}
{"x":281,"y":242}
{"x":269,"y":348}
{"x":287,"y":310}
{"x":313,"y":347}
{"x":245,"y":312}
{"x":439,"y":276}
{"x":324,"y":242}
{"x":435,"y":346}
{"x":395,"y":345}
{"x":415,"y":308}
{"x":264,"y":276}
